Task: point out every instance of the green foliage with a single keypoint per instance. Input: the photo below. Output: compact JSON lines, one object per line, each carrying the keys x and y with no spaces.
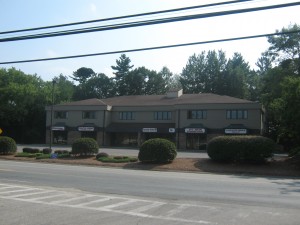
{"x":7,"y":145}
{"x":101,"y":154}
{"x":84,"y":147}
{"x":295,"y":151}
{"x":31,"y":150}
{"x":157,"y":150}
{"x":61,"y":152}
{"x":83,"y":74}
{"x":47,"y":151}
{"x":117,"y":159}
{"x":43,"y":156}
{"x":252,"y":149}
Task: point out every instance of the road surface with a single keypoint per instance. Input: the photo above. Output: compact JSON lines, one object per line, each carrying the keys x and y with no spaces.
{"x":37,"y":193}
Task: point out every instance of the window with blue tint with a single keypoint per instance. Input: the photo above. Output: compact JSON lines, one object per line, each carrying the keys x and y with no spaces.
{"x":60,"y":114}
{"x":237,"y":114}
{"x":127,"y":115}
{"x":165,"y":115}
{"x":197,"y":114}
{"x":88,"y":115}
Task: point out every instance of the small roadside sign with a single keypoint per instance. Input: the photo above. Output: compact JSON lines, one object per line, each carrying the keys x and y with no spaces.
{"x":1,"y":131}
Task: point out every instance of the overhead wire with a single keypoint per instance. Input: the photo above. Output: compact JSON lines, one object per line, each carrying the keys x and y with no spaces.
{"x":147,"y":22}
{"x":152,"y":48}
{"x":127,"y":16}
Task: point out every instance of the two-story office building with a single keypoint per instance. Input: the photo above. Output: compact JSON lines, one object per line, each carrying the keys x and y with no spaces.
{"x":189,"y":120}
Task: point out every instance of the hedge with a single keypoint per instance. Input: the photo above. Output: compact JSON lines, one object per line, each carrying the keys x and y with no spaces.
{"x":157,"y":150}
{"x":85,"y":146}
{"x":7,"y":145}
{"x":252,"y":149}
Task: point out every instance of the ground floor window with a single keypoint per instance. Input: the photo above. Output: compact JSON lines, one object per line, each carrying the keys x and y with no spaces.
{"x":60,"y":137}
{"x":89,"y":134}
{"x":195,"y":141}
{"x":124,"y":139}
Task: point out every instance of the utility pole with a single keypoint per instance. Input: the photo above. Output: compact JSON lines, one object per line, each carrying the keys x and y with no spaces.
{"x":51,"y":116}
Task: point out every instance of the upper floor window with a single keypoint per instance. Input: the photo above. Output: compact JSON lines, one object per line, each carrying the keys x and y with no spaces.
{"x":126,"y":115}
{"x":237,"y":114}
{"x":89,"y":115}
{"x":197,"y":114}
{"x":60,"y":114}
{"x":162,"y":115}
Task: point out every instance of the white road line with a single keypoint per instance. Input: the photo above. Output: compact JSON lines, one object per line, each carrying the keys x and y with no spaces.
{"x":94,"y":201}
{"x":109,"y":208}
{"x":45,"y":197}
{"x":70,"y":199}
{"x":28,"y":194}
{"x":119,"y":204}
{"x":177,"y":210}
{"x":147,"y":207}
{"x":3,"y":188}
{"x":21,"y":190}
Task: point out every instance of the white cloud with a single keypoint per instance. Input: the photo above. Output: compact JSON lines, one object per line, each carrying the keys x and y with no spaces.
{"x":51,"y":53}
{"x":93,"y":8}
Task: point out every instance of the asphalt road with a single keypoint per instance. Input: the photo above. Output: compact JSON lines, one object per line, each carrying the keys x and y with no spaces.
{"x":36,"y":194}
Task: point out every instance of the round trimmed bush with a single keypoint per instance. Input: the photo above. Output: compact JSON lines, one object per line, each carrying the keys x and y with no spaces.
{"x":85,"y":146}
{"x":7,"y":145}
{"x":101,"y":155}
{"x":157,"y":150}
{"x":253,"y":149}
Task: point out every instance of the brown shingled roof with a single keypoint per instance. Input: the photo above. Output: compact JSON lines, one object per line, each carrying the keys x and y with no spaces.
{"x":89,"y":102}
{"x":157,"y":100}
{"x":152,"y":100}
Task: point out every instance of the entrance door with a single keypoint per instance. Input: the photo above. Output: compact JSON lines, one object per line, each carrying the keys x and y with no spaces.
{"x":193,"y":141}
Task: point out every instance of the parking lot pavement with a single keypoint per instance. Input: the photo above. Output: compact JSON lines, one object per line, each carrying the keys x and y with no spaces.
{"x":119,"y":151}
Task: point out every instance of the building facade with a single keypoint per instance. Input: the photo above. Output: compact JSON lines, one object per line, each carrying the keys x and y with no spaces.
{"x":189,"y":120}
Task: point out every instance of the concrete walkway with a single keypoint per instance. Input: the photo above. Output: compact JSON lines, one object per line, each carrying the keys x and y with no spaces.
{"x":116,"y":151}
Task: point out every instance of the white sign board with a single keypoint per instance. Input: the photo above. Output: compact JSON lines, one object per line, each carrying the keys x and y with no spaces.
{"x":86,"y":128}
{"x":150,"y":130}
{"x":195,"y":130}
{"x":235,"y":131}
{"x":171,"y":130}
{"x":58,"y":128}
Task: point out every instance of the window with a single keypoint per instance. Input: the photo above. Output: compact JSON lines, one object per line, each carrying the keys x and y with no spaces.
{"x":237,"y":114}
{"x":89,"y":115}
{"x":197,"y":114}
{"x":162,"y":115}
{"x":126,"y":115}
{"x":60,"y":114}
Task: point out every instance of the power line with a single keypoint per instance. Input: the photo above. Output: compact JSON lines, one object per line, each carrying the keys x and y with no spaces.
{"x":147,"y":22}
{"x":126,"y":17}
{"x":152,"y":48}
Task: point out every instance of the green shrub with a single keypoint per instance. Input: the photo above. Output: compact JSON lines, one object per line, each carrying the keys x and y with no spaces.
{"x":43,"y":156}
{"x":61,"y":152}
{"x":31,"y":150}
{"x":157,"y":150}
{"x":63,"y":155}
{"x":24,"y":154}
{"x":294,"y":151}
{"x":117,"y":159}
{"x":253,"y":149}
{"x":7,"y":145}
{"x":47,"y":151}
{"x":85,"y":146}
{"x":101,"y":155}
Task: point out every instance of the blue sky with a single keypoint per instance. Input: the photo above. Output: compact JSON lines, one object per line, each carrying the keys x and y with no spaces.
{"x":18,"y":14}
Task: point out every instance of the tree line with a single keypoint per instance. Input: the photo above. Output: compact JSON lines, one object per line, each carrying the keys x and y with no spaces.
{"x":275,"y":83}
